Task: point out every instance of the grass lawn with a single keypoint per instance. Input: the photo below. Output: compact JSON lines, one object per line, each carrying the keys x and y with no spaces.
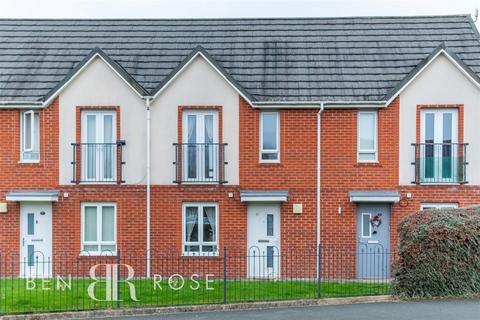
{"x":18,"y":296}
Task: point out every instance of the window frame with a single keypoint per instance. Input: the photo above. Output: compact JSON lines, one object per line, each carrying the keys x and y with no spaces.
{"x":33,"y":136}
{"x":200,"y":243}
{"x":99,"y":135}
{"x":99,"y":241}
{"x":200,"y":140}
{"x":375,"y":143}
{"x":270,"y":151}
{"x":438,"y":205}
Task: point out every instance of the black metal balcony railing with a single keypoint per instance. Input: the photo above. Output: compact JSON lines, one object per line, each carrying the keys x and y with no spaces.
{"x":98,"y":162}
{"x":439,"y":163}
{"x":200,"y":163}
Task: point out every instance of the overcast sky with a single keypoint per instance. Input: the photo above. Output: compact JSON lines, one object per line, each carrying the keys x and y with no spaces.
{"x":227,"y":8}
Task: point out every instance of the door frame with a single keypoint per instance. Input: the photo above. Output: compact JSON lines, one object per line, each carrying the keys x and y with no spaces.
{"x":359,"y":233}
{"x":24,"y":208}
{"x":277,"y":207}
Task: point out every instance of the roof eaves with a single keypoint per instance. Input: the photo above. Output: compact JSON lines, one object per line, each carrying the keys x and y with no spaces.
{"x":96,"y":52}
{"x":424,"y":63}
{"x":199,"y":50}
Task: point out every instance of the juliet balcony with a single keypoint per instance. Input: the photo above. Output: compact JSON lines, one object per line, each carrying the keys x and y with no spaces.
{"x":200,"y":163}
{"x":98,"y":162}
{"x":440,"y":163}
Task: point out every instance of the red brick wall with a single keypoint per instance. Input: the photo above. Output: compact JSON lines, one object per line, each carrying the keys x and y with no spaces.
{"x":42,"y":175}
{"x":341,"y":173}
{"x":15,"y":175}
{"x":296,"y":171}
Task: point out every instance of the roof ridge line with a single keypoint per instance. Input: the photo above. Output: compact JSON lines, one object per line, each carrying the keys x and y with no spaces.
{"x":240,"y":18}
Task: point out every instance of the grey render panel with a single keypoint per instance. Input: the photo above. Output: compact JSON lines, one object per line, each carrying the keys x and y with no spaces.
{"x":309,"y":59}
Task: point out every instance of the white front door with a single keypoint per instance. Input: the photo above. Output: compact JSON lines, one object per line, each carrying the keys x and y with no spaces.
{"x":35,"y":239}
{"x":263,"y":228}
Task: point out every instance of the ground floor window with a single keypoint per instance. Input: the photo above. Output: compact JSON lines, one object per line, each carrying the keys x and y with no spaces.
{"x":200,"y":229}
{"x":99,"y":228}
{"x":425,"y":206}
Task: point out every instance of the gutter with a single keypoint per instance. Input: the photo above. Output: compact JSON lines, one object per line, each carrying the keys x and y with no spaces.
{"x":319,"y":118}
{"x":148,"y":156}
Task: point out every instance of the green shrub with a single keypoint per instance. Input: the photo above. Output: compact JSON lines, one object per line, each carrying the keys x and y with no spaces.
{"x":439,"y":254}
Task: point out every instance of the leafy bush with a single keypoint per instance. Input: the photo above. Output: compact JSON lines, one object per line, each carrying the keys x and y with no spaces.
{"x":439,"y":254}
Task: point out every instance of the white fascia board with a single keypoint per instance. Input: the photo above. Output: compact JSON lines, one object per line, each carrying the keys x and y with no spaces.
{"x":96,"y":55}
{"x":213,"y":66}
{"x":318,"y":104}
{"x":263,"y":199}
{"x":32,"y":198}
{"x":375,"y":199}
{"x":20,"y":105}
{"x":459,"y":67}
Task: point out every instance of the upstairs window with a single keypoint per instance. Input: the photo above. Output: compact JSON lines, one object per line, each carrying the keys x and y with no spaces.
{"x":98,"y":146}
{"x":367,"y":136}
{"x":269,"y":137}
{"x":30,"y":136}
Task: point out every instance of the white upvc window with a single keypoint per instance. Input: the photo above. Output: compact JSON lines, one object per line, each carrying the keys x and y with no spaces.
{"x":99,"y":229}
{"x":367,"y":136}
{"x":98,"y":146}
{"x":200,"y":229}
{"x":269,"y":137}
{"x":439,"y":205}
{"x":200,"y":148}
{"x":30,"y":136}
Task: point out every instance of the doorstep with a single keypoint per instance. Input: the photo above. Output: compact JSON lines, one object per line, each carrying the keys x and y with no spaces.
{"x":141,"y":311}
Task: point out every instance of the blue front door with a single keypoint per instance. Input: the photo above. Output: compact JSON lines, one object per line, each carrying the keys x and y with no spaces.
{"x":373,"y":241}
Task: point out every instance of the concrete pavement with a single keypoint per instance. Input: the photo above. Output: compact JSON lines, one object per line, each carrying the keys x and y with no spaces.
{"x":415,"y":310}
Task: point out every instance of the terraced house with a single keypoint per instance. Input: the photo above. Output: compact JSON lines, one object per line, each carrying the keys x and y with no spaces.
{"x":259,"y":135}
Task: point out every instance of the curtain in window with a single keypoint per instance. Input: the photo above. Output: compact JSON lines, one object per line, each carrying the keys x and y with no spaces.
{"x":91,"y":154}
{"x":108,"y":224}
{"x":109,"y":149}
{"x":90,"y":232}
{"x":28,"y":131}
{"x":192,"y":149}
{"x":209,"y":232}
{"x":191,"y":221}
{"x":209,"y":149}
{"x":36,"y":134}
{"x":269,"y":131}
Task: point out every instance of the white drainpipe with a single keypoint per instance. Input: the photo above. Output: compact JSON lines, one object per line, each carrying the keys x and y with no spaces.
{"x":318,"y":170}
{"x":147,"y":105}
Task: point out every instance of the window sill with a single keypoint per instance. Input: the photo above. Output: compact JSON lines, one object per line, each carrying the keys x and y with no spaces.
{"x":29,"y":161}
{"x":269,"y":162}
{"x":368,"y":163}
{"x":200,"y":255}
{"x":440,"y":184}
{"x":97,"y":254}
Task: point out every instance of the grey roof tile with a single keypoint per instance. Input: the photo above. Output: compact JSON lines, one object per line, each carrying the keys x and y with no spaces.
{"x":308,"y":59}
